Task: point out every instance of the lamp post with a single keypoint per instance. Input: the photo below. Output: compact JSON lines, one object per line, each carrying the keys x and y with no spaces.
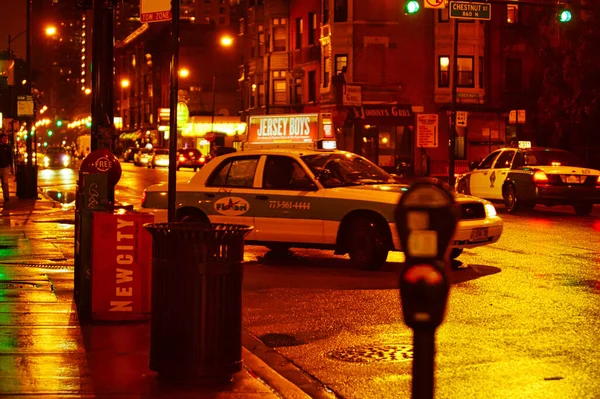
{"x":227,"y":41}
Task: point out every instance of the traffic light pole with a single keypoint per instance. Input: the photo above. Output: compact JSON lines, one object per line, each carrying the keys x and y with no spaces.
{"x":453,"y":131}
{"x":102,"y":75}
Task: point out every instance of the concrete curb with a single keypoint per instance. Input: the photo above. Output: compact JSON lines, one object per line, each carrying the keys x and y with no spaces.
{"x":280,"y":373}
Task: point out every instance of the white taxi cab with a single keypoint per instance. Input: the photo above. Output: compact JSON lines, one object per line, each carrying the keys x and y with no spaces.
{"x":309,"y":197}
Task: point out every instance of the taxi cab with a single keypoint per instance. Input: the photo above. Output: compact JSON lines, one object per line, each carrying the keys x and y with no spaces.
{"x":526,"y":176}
{"x":301,"y":193}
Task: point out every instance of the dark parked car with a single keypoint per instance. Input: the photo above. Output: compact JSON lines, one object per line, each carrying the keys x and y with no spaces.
{"x":190,"y":158}
{"x":129,"y":153}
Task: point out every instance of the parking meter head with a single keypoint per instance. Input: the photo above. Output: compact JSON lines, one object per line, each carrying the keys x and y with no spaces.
{"x":426,"y":220}
{"x":102,"y":161}
{"x":424,"y":293}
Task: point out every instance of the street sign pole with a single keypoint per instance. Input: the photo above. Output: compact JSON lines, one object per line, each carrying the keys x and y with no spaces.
{"x":453,"y":131}
{"x":172,"y":185}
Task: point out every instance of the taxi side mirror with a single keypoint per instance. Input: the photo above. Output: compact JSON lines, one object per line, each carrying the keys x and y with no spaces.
{"x":473,"y":165}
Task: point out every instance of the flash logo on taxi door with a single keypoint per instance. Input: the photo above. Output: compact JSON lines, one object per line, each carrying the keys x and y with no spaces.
{"x":232,"y":206}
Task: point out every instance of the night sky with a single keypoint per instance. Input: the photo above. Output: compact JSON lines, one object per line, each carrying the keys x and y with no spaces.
{"x":13,"y":22}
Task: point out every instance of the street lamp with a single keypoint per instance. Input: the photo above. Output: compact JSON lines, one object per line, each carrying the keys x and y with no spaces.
{"x":184,"y":73}
{"x":50,"y":30}
{"x":125,"y":83}
{"x":227,"y":41}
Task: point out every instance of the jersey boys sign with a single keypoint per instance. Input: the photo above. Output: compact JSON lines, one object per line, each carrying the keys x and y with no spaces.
{"x":295,"y":128}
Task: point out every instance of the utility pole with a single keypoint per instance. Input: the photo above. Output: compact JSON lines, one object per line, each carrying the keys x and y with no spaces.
{"x":102,"y":75}
{"x":172,"y":179}
{"x":453,"y":131}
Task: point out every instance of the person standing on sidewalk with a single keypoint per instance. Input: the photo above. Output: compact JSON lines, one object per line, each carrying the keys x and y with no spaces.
{"x":6,"y":164}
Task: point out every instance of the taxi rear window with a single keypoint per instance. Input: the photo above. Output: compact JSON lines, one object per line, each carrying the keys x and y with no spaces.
{"x":234,"y":172}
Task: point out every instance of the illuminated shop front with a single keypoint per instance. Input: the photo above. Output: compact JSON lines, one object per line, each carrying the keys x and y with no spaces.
{"x":384,"y":134}
{"x":203,"y":131}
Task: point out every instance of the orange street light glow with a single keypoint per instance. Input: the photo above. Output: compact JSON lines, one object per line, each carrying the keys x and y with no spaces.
{"x":184,"y":73}
{"x":125,"y":83}
{"x":50,"y":30}
{"x":226,"y":41}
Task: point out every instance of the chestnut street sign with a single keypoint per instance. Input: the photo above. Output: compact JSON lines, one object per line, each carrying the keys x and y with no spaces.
{"x":155,"y":10}
{"x":469,"y":10}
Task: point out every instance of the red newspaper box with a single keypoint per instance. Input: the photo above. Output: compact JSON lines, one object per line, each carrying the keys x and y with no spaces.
{"x":121,"y":266}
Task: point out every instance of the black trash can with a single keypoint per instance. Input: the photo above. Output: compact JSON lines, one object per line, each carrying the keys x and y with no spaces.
{"x":27,"y":179}
{"x":196,"y":315}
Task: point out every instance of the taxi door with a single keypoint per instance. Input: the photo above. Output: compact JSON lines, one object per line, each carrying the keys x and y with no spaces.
{"x":230,"y":191}
{"x":285,"y":209}
{"x":480,"y":177}
{"x":500,"y":173}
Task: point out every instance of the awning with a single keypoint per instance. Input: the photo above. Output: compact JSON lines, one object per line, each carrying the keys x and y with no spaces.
{"x":130,"y":136}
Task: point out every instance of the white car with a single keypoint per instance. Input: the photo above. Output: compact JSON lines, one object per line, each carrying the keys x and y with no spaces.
{"x":325,"y":199}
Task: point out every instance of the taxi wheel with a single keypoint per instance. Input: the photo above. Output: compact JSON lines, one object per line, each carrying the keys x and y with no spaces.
{"x":583,"y":209}
{"x":367,"y":244}
{"x":462,"y":187}
{"x":193,"y":216}
{"x":456,"y":253}
{"x":511,"y":201}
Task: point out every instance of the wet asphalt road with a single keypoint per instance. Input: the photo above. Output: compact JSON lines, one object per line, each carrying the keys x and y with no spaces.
{"x":522,"y":320}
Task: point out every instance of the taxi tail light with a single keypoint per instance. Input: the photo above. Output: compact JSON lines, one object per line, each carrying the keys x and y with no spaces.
{"x":539,"y":177}
{"x":144,"y":198}
{"x":181,"y":158}
{"x":598,"y":181}
{"x":202,"y":159}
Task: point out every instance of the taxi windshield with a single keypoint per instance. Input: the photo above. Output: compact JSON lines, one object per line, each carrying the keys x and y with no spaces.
{"x":550,"y":157}
{"x":346,"y":169}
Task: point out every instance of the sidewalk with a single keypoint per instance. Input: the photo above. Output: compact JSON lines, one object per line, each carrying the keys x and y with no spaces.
{"x":43,"y":349}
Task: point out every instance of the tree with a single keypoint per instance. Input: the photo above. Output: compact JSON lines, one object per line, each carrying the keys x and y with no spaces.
{"x":568,"y":104}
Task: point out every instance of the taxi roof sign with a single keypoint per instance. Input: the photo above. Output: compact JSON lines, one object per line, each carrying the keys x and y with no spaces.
{"x":290,"y":130}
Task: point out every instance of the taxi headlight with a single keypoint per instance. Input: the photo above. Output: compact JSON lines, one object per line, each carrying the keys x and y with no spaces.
{"x":490,"y":210}
{"x":46,"y":161}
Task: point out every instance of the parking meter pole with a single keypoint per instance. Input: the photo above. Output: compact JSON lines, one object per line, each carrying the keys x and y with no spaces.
{"x":426,"y":220}
{"x":423,"y":363}
{"x":172,"y":185}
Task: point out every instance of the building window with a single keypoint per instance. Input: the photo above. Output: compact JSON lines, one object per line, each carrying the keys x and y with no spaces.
{"x":481,"y":70}
{"x":341,"y":61}
{"x":279,"y":91}
{"x":443,"y":71}
{"x":312,"y":86}
{"x":261,"y":40}
{"x":261,"y":94}
{"x":221,"y":10}
{"x":326,"y":66}
{"x":512,"y":14}
{"x":298,"y":33}
{"x":514,"y":74}
{"x":340,"y":12}
{"x":443,"y":15}
{"x":465,"y":72}
{"x":298,"y":91}
{"x":312,"y":28}
{"x":325,"y":9}
{"x":279,"y":34}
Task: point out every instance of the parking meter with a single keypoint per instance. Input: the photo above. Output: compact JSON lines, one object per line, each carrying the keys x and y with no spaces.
{"x":426,"y":221}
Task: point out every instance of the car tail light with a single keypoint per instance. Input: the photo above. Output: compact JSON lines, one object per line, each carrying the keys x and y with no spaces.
{"x":539,"y":177}
{"x":202,"y":159}
{"x":181,"y":158}
{"x":598,"y":181}
{"x":191,"y":154}
{"x":144,"y":199}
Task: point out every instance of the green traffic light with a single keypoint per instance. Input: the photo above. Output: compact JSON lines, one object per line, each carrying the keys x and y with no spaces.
{"x":564,"y":16}
{"x":50,"y":133}
{"x":59,"y":123}
{"x":411,"y":6}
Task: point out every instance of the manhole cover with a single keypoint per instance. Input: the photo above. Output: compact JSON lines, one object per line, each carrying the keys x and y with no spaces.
{"x":280,"y":340}
{"x":372,"y":354}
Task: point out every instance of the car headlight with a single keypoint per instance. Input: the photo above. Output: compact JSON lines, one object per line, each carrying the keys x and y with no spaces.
{"x":46,"y":160}
{"x":490,"y":210}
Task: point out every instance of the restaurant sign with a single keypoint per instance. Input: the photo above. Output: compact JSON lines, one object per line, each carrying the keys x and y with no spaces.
{"x":292,"y":129}
{"x":387,"y":114}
